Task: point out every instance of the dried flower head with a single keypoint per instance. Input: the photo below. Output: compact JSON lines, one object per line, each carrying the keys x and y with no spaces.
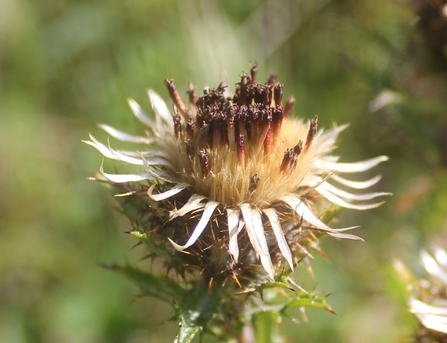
{"x":234,"y":181}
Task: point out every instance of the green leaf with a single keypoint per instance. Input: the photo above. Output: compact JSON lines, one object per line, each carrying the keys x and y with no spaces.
{"x":330,"y":214}
{"x":282,"y":281}
{"x":158,"y":249}
{"x":187,"y":333}
{"x":199,"y":307}
{"x":307,"y":300}
{"x":150,"y":285}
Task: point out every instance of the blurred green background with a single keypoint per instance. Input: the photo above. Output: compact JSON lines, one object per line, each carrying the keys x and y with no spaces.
{"x":67,"y":65}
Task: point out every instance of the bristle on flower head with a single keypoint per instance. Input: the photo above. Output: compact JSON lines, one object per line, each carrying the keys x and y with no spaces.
{"x":236,"y":172}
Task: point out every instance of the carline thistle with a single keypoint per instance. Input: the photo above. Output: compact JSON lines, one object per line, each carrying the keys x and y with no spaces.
{"x":233,"y":186}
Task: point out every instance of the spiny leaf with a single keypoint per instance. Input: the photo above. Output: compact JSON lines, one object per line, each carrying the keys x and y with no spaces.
{"x":158,"y":249}
{"x":282,"y":282}
{"x":150,"y":285}
{"x":198,"y":308}
{"x":330,"y":214}
{"x":307,"y":300}
{"x":186,"y":334}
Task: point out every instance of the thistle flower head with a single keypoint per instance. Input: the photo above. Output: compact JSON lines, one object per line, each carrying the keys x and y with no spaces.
{"x":428,"y":295}
{"x":232,"y":182}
